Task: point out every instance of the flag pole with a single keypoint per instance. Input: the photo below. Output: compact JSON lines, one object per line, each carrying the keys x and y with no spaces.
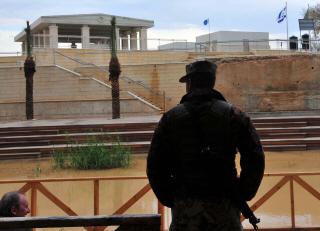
{"x":209,"y":36}
{"x":287,"y":26}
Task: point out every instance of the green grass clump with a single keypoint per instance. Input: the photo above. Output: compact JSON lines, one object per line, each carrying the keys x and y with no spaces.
{"x":93,"y":154}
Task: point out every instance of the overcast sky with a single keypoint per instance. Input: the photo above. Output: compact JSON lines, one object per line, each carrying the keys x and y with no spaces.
{"x":173,"y":19}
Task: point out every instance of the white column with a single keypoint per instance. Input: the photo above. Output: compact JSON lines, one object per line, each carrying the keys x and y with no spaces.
{"x":53,"y":32}
{"x":133,"y":40}
{"x":46,"y":40}
{"x":41,"y":41}
{"x":118,"y":37}
{"x":36,"y":40}
{"x":125,"y":40}
{"x":143,"y":39}
{"x":23,"y":47}
{"x":85,"y":37}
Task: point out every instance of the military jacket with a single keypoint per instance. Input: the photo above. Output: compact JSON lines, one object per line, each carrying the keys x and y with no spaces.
{"x":164,"y":157}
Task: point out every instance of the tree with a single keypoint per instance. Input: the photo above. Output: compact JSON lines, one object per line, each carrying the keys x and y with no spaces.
{"x":114,"y":71}
{"x":313,"y":13}
{"x":29,"y":70}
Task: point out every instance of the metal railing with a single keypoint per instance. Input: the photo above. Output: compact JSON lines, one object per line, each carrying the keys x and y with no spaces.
{"x":101,"y":74}
{"x":256,"y":47}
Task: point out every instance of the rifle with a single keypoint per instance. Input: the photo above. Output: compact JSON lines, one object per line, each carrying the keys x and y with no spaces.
{"x":226,"y":181}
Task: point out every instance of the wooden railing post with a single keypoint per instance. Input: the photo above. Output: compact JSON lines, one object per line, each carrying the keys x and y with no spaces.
{"x":96,"y":200}
{"x":161,"y":211}
{"x":293,"y":223}
{"x":96,"y":197}
{"x":33,"y":202}
{"x":164,"y":102}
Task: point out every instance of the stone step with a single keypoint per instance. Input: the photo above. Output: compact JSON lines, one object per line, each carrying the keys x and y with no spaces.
{"x":27,"y":155}
{"x":282,"y":135}
{"x":136,"y":148}
{"x":28,"y":133}
{"x":62,"y":138}
{"x":280,"y":124}
{"x":24,"y":143}
{"x":277,"y":148}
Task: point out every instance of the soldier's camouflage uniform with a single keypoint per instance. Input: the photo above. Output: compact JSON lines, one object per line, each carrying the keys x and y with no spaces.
{"x":197,"y":211}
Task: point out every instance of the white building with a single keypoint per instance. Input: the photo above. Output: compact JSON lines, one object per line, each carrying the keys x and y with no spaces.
{"x":89,"y":30}
{"x":235,"y":41}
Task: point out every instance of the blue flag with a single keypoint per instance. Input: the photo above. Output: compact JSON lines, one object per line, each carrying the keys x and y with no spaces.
{"x":282,"y":15}
{"x":206,"y":22}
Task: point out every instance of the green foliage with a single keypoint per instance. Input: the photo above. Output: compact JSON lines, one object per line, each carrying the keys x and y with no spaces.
{"x":29,"y":39}
{"x":92,"y":155}
{"x":113,"y":37}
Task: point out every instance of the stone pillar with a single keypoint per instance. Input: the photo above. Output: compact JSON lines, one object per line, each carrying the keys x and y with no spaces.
{"x":125,"y":40}
{"x":41,"y":41}
{"x":133,"y":40}
{"x":118,"y":37}
{"x":36,"y":40}
{"x":214,"y":45}
{"x":23,"y":47}
{"x":85,"y":37}
{"x":53,"y":32}
{"x":46,"y":40}
{"x":246,"y":45}
{"x":143,"y":39}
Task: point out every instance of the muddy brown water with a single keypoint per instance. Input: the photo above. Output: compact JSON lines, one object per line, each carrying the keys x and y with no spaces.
{"x":79,"y":195}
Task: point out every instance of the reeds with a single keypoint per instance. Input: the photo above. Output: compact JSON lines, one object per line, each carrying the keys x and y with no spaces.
{"x":93,"y":154}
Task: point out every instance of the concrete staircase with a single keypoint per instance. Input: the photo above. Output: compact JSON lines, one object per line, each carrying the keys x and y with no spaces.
{"x":276,"y":134}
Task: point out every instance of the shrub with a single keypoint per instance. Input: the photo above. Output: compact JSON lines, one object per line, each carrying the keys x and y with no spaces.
{"x":93,"y":154}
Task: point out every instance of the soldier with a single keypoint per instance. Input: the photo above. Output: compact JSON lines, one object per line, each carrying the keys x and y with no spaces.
{"x":178,"y":175}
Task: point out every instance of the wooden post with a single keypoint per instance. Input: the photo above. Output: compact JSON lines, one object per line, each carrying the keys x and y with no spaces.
{"x":96,"y":197}
{"x":164,"y":102}
{"x":161,"y":211}
{"x":292,"y":204}
{"x":96,"y":201}
{"x":33,"y":202}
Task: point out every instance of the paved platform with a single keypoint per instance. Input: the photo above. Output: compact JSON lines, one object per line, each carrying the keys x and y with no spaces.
{"x":79,"y":121}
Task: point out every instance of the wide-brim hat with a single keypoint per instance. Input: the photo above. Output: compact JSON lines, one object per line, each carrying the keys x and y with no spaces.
{"x":199,"y":66}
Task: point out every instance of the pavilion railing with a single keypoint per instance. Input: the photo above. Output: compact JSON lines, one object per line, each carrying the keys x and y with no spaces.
{"x":36,"y":185}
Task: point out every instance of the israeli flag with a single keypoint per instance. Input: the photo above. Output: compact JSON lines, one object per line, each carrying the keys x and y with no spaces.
{"x":206,"y":22}
{"x":282,"y":15}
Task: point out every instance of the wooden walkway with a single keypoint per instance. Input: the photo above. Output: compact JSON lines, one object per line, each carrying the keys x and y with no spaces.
{"x":37,"y":138}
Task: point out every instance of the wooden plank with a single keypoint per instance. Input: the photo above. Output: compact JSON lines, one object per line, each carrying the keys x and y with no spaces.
{"x":266,"y":196}
{"x":26,"y":187}
{"x":293,"y":223}
{"x":161,"y":211}
{"x":75,"y":179}
{"x":131,"y":201}
{"x":307,"y":187}
{"x":58,"y":202}
{"x":79,"y":221}
{"x":132,"y":178}
{"x":55,"y":200}
{"x":96,"y":198}
{"x":33,"y":202}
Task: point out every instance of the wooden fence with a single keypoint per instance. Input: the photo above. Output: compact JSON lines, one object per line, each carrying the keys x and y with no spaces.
{"x":36,"y":185}
{"x":125,"y":222}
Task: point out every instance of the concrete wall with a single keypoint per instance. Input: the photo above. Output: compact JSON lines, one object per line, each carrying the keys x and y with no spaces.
{"x":60,"y":94}
{"x":285,"y":83}
{"x":190,"y":46}
{"x":102,"y":58}
{"x":273,"y":83}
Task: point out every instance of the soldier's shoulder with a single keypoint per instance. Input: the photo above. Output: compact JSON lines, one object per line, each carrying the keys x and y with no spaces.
{"x":238,"y":112}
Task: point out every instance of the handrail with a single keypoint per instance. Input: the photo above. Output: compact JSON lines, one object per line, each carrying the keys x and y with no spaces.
{"x":81,"y":62}
{"x":129,"y":80}
{"x":143,"y":222}
{"x":36,"y":185}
